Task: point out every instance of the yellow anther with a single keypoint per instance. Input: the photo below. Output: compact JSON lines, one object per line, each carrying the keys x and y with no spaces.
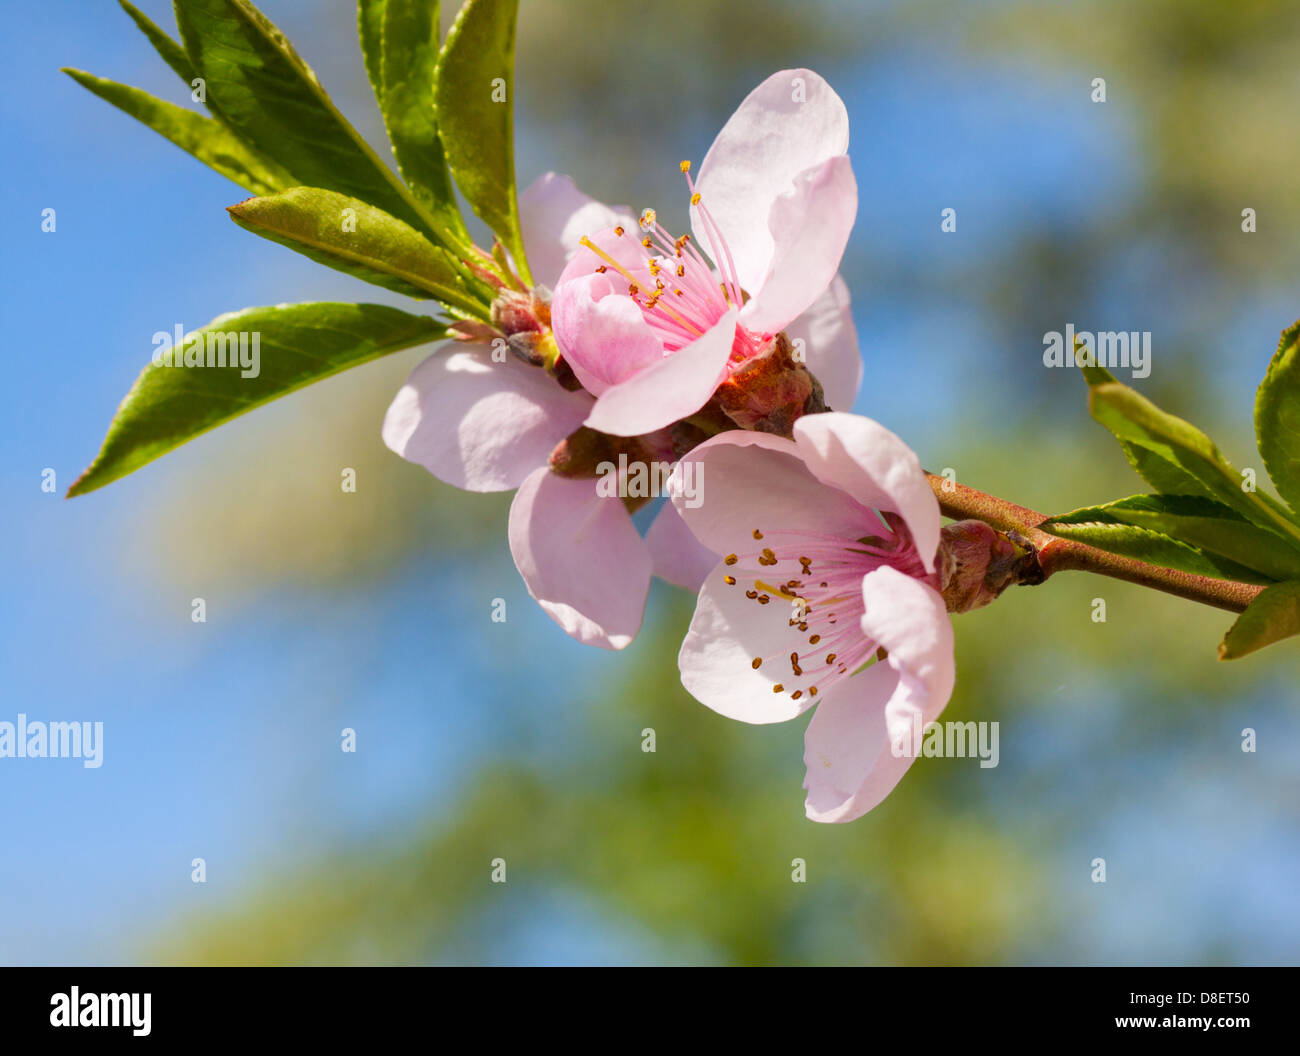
{"x":774,"y":590}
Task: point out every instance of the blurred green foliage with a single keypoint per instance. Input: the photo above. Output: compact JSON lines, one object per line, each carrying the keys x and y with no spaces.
{"x":695,"y":841}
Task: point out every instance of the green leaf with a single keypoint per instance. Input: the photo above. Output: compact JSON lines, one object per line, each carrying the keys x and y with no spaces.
{"x":352,"y":236}
{"x":1159,"y":472}
{"x":1272,"y":616}
{"x":1162,"y":474}
{"x":259,"y":86}
{"x":1153,"y":547}
{"x":1092,"y":373}
{"x":1136,"y":420}
{"x":172,"y":53}
{"x":1201,"y":523}
{"x":1277,"y":417}
{"x":400,"y":38}
{"x":475,"y":99}
{"x":297,"y":344}
{"x":370,"y":32}
{"x":208,"y":140}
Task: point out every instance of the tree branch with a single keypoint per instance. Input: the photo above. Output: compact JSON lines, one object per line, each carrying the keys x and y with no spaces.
{"x":1053,"y":554}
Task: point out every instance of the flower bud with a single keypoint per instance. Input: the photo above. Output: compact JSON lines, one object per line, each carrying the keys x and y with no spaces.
{"x":771,"y":391}
{"x":515,"y":312}
{"x":977,"y":563}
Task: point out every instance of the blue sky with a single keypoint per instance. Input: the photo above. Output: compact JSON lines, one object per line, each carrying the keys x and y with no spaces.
{"x":222,"y":739}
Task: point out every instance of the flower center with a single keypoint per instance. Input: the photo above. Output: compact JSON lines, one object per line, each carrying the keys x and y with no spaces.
{"x":679,"y":293}
{"x":818,"y":579}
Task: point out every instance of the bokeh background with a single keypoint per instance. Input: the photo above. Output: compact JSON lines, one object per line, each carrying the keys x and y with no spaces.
{"x":479,"y":740}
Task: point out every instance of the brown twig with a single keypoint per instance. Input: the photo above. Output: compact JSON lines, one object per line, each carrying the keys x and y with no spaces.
{"x":1053,"y":554}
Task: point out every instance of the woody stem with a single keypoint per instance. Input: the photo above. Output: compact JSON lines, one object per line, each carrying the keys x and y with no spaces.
{"x":1053,"y":554}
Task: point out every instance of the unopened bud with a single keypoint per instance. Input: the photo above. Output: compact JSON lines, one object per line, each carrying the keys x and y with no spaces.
{"x":977,"y":563}
{"x":771,"y":391}
{"x":515,"y":312}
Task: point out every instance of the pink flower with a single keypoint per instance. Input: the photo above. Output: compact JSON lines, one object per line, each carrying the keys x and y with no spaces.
{"x":651,"y":328}
{"x":781,"y":187}
{"x":490,"y":424}
{"x":831,"y":543}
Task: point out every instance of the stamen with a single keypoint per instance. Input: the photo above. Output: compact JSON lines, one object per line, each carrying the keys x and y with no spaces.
{"x":775,"y":590}
{"x":633,"y":286}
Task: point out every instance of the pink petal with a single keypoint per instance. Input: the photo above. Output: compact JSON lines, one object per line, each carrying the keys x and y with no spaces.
{"x":747,"y":480}
{"x":626,"y":249}
{"x":601,"y":332}
{"x":727,"y":632}
{"x":679,"y":558}
{"x":860,"y":741}
{"x":875,"y":467}
{"x":791,"y":122}
{"x":910,"y":620}
{"x":810,"y":227}
{"x":830,"y":343}
{"x":581,"y":558}
{"x":674,"y":387}
{"x":847,"y":745}
{"x":554,"y":215}
{"x":478,"y":424}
